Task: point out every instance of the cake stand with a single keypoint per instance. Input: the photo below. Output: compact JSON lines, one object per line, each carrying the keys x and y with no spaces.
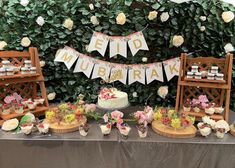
{"x":112,"y":109}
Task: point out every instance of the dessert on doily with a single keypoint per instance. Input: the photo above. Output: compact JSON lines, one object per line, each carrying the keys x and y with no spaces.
{"x":65,"y":118}
{"x":111,"y":98}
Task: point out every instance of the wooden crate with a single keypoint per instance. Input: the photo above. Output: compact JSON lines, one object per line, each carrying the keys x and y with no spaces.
{"x":216,"y":91}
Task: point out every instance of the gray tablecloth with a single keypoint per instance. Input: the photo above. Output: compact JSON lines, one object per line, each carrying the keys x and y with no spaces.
{"x":96,"y":151}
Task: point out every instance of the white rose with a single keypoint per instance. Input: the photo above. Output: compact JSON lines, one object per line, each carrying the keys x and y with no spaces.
{"x":51,"y":96}
{"x":134,"y":94}
{"x":202,"y":28}
{"x":25,"y":42}
{"x":227,"y":16}
{"x":68,"y":23}
{"x":164,"y":16}
{"x":144,"y":59}
{"x":94,"y":20}
{"x":40,"y":21}
{"x":162,"y":91}
{"x":177,"y":40}
{"x":24,"y":2}
{"x":203,"y":18}
{"x":91,"y":6}
{"x":152,"y":15}
{"x":3,"y":44}
{"x":121,"y":18}
{"x":42,"y":63}
{"x":180,"y":1}
{"x":228,"y":48}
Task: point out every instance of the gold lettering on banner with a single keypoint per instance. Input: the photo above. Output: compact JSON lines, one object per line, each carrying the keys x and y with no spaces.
{"x":154,"y":73}
{"x":173,"y":68}
{"x":66,"y":57}
{"x":118,"y":48}
{"x":137,"y":74}
{"x":116,"y":75}
{"x":84,"y":68}
{"x":137,"y":43}
{"x":98,"y":44}
{"x":101,"y":71}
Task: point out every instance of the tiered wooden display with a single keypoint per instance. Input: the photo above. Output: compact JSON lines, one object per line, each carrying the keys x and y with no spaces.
{"x":25,"y":85}
{"x":216,"y":91}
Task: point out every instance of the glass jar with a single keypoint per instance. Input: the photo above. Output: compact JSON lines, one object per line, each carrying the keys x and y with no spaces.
{"x":211,"y":76}
{"x":190,"y":75}
{"x":33,"y":70}
{"x":214,"y":69}
{"x":27,"y":63}
{"x":194,"y":69}
{"x":10,"y":71}
{"x":219,"y":76}
{"x":2,"y":72}
{"x":24,"y":70}
{"x":198,"y":75}
{"x":5,"y":64}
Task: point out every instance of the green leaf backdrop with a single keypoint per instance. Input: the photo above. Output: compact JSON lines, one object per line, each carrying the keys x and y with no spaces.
{"x":18,"y":21}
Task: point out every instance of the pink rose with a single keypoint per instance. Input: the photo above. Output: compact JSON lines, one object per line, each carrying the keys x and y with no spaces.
{"x":9,"y":99}
{"x":116,"y":115}
{"x":149,"y":114}
{"x":90,"y":107}
{"x":203,"y":99}
{"x":17,"y":97}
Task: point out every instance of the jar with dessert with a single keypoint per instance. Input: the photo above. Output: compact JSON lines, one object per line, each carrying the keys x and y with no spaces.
{"x":19,"y":108}
{"x":33,"y":70}
{"x":190,"y":75}
{"x":31,"y":105}
{"x":214,"y":69}
{"x":142,"y":130}
{"x":219,"y":76}
{"x":6,"y":109}
{"x":25,"y":70}
{"x":5,"y":64}
{"x":194,"y":69}
{"x":10,"y":71}
{"x":211,"y":76}
{"x":198,"y":75}
{"x":106,"y":128}
{"x":27,"y":63}
{"x":2,"y":72}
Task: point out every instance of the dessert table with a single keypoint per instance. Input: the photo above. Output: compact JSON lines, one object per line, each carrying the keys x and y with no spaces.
{"x":72,"y":150}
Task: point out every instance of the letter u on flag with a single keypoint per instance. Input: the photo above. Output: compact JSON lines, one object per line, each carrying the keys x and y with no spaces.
{"x":137,"y":42}
{"x":85,"y":65}
{"x":102,"y":70}
{"x":98,"y":43}
{"x":172,"y":67}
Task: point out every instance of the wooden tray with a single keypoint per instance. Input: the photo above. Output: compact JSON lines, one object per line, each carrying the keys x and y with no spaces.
{"x":204,"y":80}
{"x":61,"y":129}
{"x":202,"y":114}
{"x":161,"y":129}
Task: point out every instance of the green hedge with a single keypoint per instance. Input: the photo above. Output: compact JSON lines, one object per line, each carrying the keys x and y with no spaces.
{"x":18,"y":21}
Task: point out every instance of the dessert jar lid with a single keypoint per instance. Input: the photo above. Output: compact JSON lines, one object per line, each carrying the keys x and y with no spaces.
{"x":27,"y":61}
{"x":9,"y":69}
{"x":211,"y":74}
{"x":33,"y":68}
{"x":198,"y":73}
{"x":24,"y":69}
{"x":214,"y":67}
{"x":2,"y":70}
{"x":5,"y":62}
{"x":220,"y":75}
{"x":190,"y":73}
{"x":194,"y":66}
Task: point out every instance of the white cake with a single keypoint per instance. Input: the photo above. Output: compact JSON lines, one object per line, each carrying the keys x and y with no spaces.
{"x":111,"y":98}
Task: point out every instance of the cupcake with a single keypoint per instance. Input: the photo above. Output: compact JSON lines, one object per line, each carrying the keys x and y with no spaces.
{"x":106,"y":128}
{"x":43,"y":128}
{"x":203,"y":129}
{"x":19,"y":108}
{"x":219,"y":109}
{"x":83,"y":130}
{"x":27,"y":129}
{"x":187,"y":106}
{"x":220,"y":133}
{"x":142,"y":131}
{"x":124,"y":130}
{"x":210,"y":109}
{"x":31,"y":105}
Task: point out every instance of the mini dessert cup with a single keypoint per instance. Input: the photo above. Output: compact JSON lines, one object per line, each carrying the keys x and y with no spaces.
{"x":204,"y":74}
{"x":219,"y":109}
{"x":43,"y":128}
{"x":27,"y":63}
{"x":219,"y":134}
{"x":124,"y":130}
{"x":105,"y":128}
{"x":24,"y":70}
{"x":19,"y":108}
{"x":10,"y":71}
{"x":2,"y":71}
{"x":31,"y":105}
{"x":196,"y":109}
{"x":39,"y":100}
{"x":219,"y":76}
{"x":190,"y":75}
{"x":142,"y":131}
{"x":5,"y":64}
{"x":214,"y":69}
{"x":194,"y":69}
{"x":83,"y":130}
{"x":210,"y":110}
{"x":186,"y":108}
{"x":27,"y":129}
{"x":33,"y":70}
{"x":203,"y":129}
{"x":211,"y":76}
{"x":6,"y":109}
{"x":198,"y":75}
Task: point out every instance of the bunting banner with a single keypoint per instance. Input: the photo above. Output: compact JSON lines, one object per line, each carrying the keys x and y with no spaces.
{"x":111,"y":72}
{"x":118,"y":44}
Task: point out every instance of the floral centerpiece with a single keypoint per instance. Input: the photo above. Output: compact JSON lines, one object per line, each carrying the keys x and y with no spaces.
{"x":172,"y":119}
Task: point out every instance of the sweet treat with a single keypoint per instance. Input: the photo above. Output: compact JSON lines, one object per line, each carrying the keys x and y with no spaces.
{"x":27,"y":64}
{"x":31,"y":105}
{"x":33,"y":70}
{"x":210,"y":110}
{"x":43,"y":128}
{"x":198,"y":75}
{"x":39,"y":100}
{"x":24,"y":70}
{"x":219,"y":109}
{"x":105,"y":128}
{"x":6,"y":109}
{"x":83,"y":130}
{"x":187,"y":106}
{"x":203,"y":129}
{"x":204,"y":74}
{"x":124,"y":130}
{"x":190,"y":75}
{"x":2,"y":72}
{"x":142,"y":131}
{"x":211,"y":76}
{"x":219,"y":76}
{"x":5,"y":64}
{"x":10,"y":125}
{"x":10,"y":71}
{"x":19,"y":108}
{"x":214,"y":69}
{"x":194,"y":69}
{"x":27,"y":128}
{"x":220,"y":133}
{"x":111,"y":98}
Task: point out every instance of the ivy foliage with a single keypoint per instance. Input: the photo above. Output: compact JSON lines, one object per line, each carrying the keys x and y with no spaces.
{"x":18,"y":21}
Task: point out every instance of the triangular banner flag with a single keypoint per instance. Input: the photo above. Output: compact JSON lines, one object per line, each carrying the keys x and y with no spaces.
{"x":136,"y":74}
{"x":102,"y":70}
{"x":85,"y":65}
{"x":154,"y":72}
{"x":68,"y":56}
{"x":98,"y":43}
{"x":118,"y":73}
{"x":118,"y":45}
{"x":137,"y":42}
{"x":172,"y":67}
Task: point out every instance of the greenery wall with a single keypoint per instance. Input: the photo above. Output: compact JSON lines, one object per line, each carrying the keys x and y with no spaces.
{"x":17,"y":21}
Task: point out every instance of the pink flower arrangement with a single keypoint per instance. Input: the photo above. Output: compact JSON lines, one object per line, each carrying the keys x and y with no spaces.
{"x":116,"y":114}
{"x":201,"y":101}
{"x":114,"y":117}
{"x":140,"y":117}
{"x":106,"y":94}
{"x":13,"y":98}
{"x":148,"y":113}
{"x":90,"y":108}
